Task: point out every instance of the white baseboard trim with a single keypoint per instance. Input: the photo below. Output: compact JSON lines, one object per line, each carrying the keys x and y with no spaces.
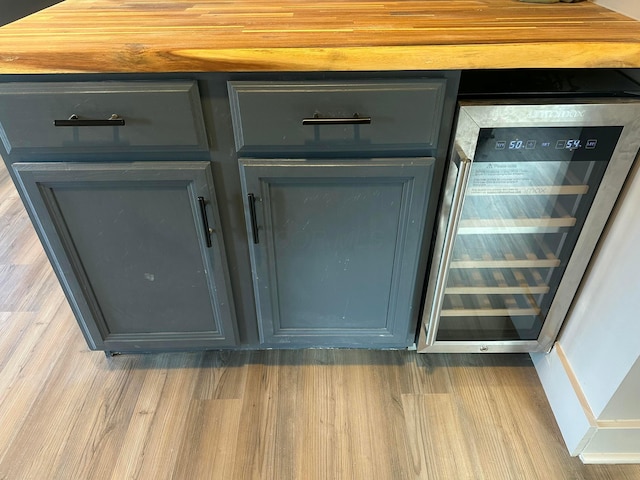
{"x":593,"y":440}
{"x":610,"y":458}
{"x":576,"y":425}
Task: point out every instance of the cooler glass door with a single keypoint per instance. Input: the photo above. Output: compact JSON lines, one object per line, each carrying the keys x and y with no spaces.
{"x":520,"y":205}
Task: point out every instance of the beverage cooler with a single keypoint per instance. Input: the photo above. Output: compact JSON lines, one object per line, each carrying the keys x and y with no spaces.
{"x":530,"y":187}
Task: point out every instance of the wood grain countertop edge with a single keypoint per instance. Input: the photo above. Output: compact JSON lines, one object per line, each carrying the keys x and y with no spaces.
{"x":381,"y":58}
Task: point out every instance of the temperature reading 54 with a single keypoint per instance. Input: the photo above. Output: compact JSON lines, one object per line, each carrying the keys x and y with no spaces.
{"x":569,"y":144}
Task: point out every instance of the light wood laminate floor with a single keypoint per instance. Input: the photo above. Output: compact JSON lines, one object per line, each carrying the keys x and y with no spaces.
{"x":69,"y":413}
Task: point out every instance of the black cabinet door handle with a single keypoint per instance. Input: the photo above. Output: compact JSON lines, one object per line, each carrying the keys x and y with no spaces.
{"x":75,"y":121}
{"x":205,"y":221}
{"x":355,"y":120}
{"x":254,"y":220}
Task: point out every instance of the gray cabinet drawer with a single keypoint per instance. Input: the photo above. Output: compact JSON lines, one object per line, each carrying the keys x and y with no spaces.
{"x":308,"y":117}
{"x":157,"y":115}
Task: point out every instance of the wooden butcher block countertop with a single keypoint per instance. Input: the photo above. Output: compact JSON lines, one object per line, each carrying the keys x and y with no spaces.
{"x":336,"y":35}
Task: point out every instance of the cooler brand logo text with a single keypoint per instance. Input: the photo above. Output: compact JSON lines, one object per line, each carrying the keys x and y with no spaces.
{"x":556,"y":114}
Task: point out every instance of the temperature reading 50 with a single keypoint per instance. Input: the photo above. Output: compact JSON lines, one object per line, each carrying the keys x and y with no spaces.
{"x":572,"y":144}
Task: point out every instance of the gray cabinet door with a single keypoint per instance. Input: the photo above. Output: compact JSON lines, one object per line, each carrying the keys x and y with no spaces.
{"x":337,"y":249}
{"x":129,"y":241}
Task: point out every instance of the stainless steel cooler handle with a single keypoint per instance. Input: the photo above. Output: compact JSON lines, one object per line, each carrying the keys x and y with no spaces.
{"x":463,"y":164}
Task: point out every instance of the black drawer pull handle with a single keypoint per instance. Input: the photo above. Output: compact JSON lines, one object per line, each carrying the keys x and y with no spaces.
{"x":75,"y":121}
{"x":254,"y":220}
{"x":355,"y":120}
{"x":205,"y":221}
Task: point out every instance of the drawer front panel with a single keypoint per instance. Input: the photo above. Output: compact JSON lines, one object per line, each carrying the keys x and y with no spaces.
{"x":306,"y":117}
{"x":156,"y":115}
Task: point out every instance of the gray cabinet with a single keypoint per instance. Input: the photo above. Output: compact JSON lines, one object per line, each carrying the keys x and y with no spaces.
{"x":138,"y":249}
{"x":339,"y":199}
{"x":337,"y":248}
{"x":344,"y":173}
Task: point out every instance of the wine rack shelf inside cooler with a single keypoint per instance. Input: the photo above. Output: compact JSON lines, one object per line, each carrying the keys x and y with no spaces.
{"x":489,"y":306}
{"x":496,"y":282}
{"x":512,"y":251}
{"x":491,"y":214}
